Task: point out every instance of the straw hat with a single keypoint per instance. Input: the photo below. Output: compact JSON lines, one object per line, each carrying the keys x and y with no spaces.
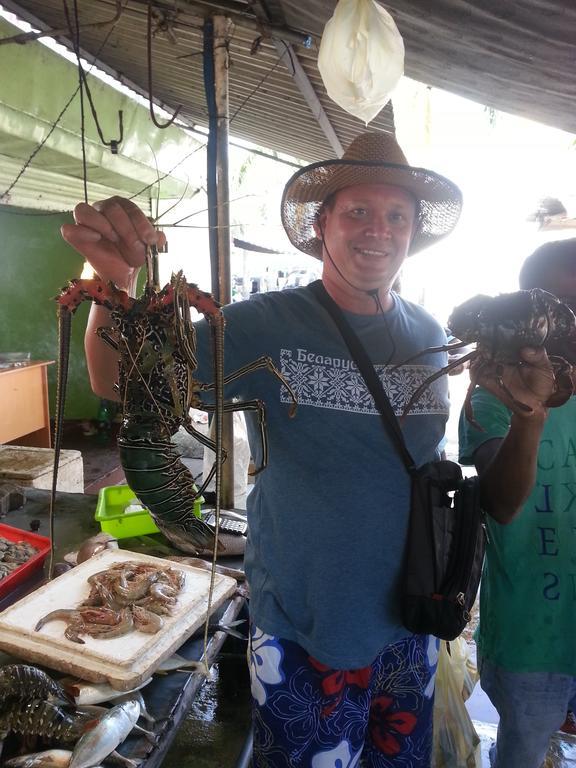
{"x":372,"y":158}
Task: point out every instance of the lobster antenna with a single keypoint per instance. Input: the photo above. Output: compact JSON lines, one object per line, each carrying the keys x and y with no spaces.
{"x":425,"y":384}
{"x":217,"y":329}
{"x":64,"y":330}
{"x":431,"y":350}
{"x":374,"y":293}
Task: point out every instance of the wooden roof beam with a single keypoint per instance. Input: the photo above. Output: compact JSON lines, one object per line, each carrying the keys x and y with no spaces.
{"x":290,"y":60}
{"x":269,"y":13}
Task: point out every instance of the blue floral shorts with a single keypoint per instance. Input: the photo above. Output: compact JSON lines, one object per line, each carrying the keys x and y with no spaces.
{"x":307,"y":715}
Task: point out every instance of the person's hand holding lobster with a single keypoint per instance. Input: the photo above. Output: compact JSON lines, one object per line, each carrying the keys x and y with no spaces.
{"x":529,"y":386}
{"x":112,"y":235}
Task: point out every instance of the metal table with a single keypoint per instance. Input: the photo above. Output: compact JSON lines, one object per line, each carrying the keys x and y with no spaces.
{"x":167,"y":697}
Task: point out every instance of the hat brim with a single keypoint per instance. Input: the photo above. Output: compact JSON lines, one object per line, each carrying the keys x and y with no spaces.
{"x":439,"y":199}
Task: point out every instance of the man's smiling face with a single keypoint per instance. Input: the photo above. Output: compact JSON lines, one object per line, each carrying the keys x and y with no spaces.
{"x":366,"y":231}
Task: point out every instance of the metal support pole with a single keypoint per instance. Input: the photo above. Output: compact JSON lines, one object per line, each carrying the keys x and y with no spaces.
{"x":221,"y":26}
{"x":221,"y":60}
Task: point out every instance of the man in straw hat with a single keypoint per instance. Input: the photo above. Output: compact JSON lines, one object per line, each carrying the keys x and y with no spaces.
{"x":334,"y":673}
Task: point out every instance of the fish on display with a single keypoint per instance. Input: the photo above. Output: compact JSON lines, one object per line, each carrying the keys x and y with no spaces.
{"x":84,"y":692}
{"x":109,"y":732}
{"x":198,"y":562}
{"x":94,"y":545}
{"x":228,"y":628}
{"x":94,"y":712}
{"x":51,"y":758}
{"x":33,"y":704}
{"x":177,"y":663}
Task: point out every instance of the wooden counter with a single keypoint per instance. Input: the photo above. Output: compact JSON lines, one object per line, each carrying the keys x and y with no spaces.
{"x":24,"y":406}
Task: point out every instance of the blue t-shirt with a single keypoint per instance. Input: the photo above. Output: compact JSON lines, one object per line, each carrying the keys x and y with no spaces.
{"x":328,"y":516}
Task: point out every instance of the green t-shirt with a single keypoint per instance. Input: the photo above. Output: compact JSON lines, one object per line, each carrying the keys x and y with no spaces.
{"x":528,"y":590}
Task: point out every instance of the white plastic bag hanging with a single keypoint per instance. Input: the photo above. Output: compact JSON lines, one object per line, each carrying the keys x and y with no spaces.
{"x":241,"y":460}
{"x":361,"y":57}
{"x":455,"y":741}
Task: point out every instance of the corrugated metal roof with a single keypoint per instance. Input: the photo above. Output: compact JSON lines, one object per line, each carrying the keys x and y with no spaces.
{"x":42,"y":143}
{"x":518,"y":56}
{"x":266,"y":107}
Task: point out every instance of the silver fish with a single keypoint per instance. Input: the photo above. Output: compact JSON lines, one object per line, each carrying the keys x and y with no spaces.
{"x":95,"y":544}
{"x":51,"y":758}
{"x":97,"y":710}
{"x":198,"y":562}
{"x":177,"y":662}
{"x":140,"y":699}
{"x":228,"y":628}
{"x":84,"y":692}
{"x":110,"y":731}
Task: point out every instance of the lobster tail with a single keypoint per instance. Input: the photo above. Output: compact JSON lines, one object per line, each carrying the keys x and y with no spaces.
{"x":156,"y":474}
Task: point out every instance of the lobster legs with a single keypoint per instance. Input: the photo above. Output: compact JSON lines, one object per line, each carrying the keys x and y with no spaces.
{"x":156,"y":345}
{"x":256,"y":406}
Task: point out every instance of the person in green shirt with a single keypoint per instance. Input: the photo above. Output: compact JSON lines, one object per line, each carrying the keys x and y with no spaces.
{"x":526,"y":461}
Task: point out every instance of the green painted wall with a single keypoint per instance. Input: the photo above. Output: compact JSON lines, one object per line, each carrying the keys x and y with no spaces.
{"x":35,"y":264}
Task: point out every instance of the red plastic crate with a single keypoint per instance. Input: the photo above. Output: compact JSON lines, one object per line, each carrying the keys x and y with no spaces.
{"x":24,"y":572}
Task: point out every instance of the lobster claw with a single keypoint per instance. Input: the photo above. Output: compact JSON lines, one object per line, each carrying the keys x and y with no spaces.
{"x":564,"y":383}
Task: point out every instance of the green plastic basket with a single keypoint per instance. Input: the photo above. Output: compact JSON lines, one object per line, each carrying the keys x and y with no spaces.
{"x":111,"y":514}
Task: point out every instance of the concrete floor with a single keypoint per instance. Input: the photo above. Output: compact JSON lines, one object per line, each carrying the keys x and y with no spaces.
{"x":99,"y":453}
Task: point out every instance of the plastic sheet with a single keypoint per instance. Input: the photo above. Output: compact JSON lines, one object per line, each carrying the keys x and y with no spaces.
{"x":241,"y":460}
{"x":562,"y":751}
{"x":456,"y":743}
{"x":361,"y":57}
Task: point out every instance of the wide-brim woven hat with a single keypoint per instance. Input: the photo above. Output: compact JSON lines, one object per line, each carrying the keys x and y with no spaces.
{"x":372,"y":158}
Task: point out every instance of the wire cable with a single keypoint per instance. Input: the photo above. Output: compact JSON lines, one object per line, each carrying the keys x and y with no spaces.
{"x":374,"y":294}
{"x":45,"y":139}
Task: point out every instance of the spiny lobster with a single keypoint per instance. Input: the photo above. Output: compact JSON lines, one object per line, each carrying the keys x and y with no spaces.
{"x":156,"y":343}
{"x":501,"y":326}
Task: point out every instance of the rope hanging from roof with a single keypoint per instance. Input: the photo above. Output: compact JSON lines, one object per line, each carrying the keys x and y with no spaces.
{"x":150,"y":97}
{"x":84,"y":87}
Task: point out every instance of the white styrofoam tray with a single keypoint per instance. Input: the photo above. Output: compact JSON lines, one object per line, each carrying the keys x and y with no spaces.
{"x":123,"y":662}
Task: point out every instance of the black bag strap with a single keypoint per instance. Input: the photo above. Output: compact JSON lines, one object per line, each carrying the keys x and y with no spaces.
{"x":366,"y":368}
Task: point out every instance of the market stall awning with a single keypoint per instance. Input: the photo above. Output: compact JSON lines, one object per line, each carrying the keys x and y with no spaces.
{"x":517,"y":56}
{"x":277,"y":98}
{"x":40,"y":137}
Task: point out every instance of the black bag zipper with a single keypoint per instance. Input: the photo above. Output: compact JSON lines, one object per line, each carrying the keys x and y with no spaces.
{"x":459,"y":593}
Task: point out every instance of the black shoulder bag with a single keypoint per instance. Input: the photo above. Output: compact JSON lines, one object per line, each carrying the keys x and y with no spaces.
{"x":446,"y":536}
